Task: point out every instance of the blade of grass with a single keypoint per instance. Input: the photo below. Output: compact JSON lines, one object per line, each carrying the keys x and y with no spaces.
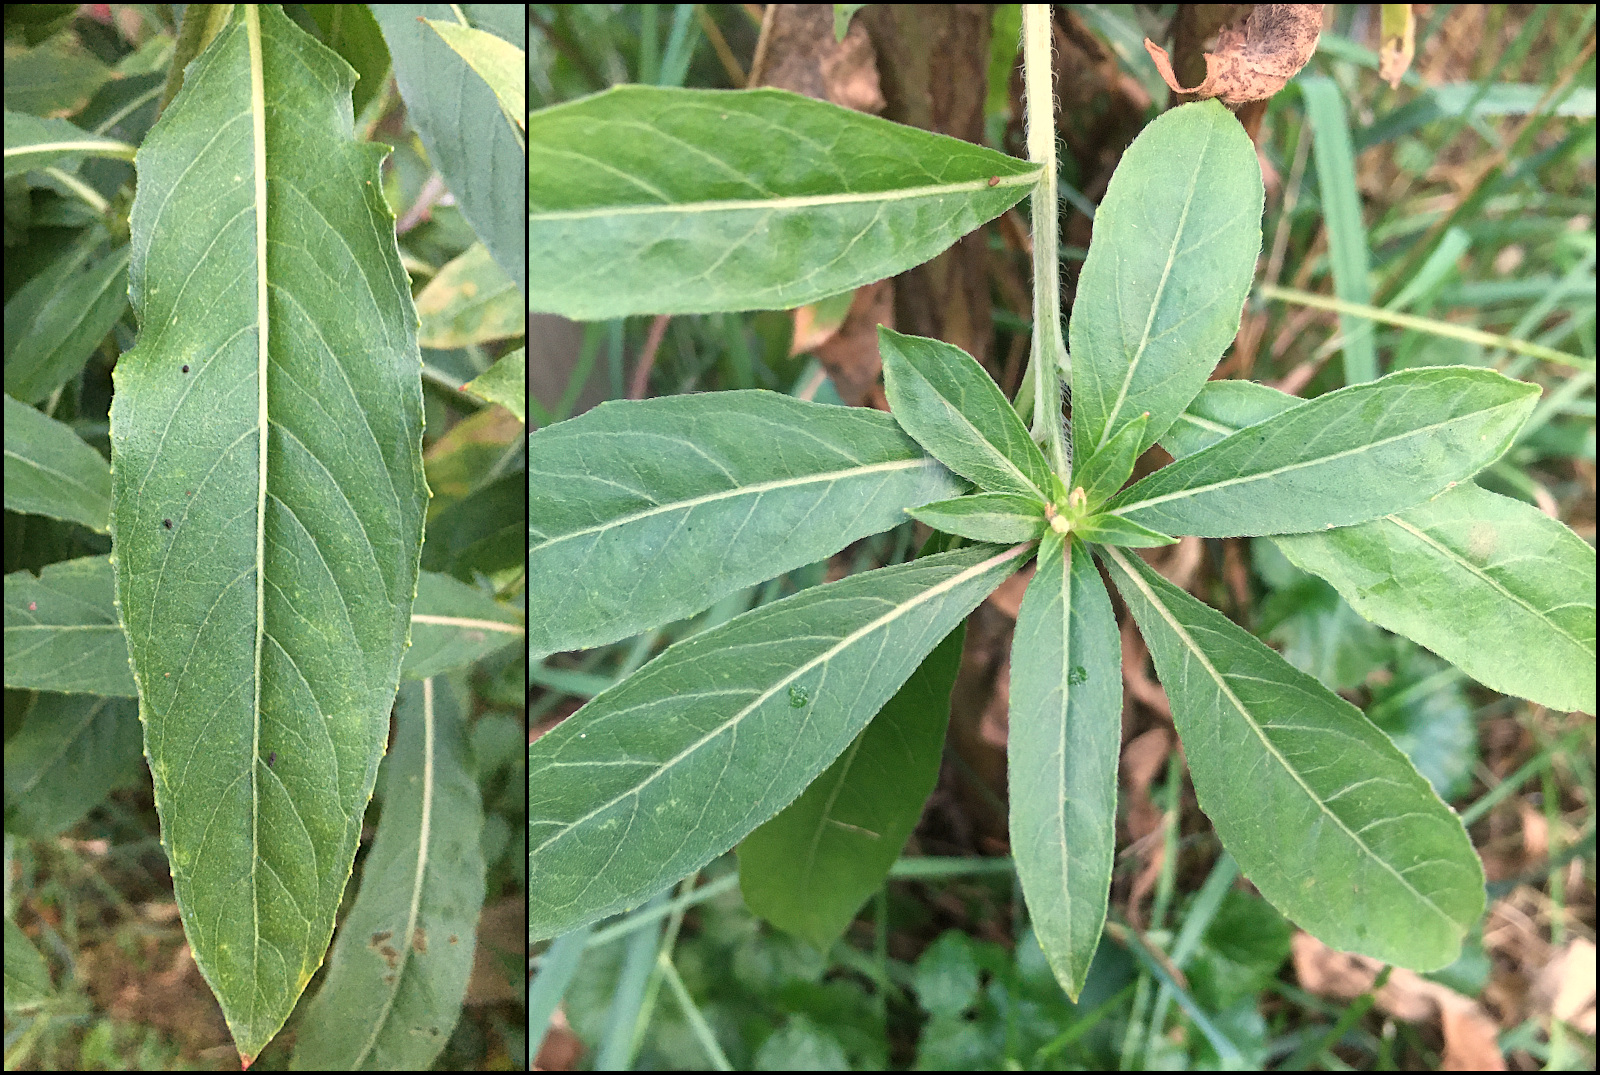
{"x":1424,"y":324}
{"x":1341,"y":209}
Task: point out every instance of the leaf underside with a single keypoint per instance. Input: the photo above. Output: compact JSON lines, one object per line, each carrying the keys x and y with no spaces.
{"x":267,"y":502}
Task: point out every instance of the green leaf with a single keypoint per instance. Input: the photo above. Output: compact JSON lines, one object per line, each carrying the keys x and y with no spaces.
{"x":56,"y":320}
{"x":34,"y":142}
{"x":1325,"y":815}
{"x":1173,"y":254}
{"x":505,"y":383}
{"x":1342,"y":458}
{"x":477,"y":149}
{"x":810,"y":868}
{"x":657,"y":200}
{"x":482,"y":533}
{"x":267,"y":504}
{"x":1485,"y":582}
{"x":51,"y":471}
{"x":453,"y":624}
{"x":70,"y":753}
{"x":470,"y":301}
{"x":645,"y":512}
{"x":28,"y":985}
{"x":501,"y":65}
{"x":668,"y":769}
{"x":398,"y":973}
{"x":943,"y":398}
{"x":1221,"y":408}
{"x":1103,"y":473}
{"x":1493,"y":585}
{"x":1066,"y":730}
{"x":1005,"y":518}
{"x":62,"y":632}
{"x":1110,"y":530}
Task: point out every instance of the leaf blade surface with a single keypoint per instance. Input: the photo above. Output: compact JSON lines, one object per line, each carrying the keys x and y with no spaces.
{"x":672,"y":766}
{"x":1174,"y":249}
{"x":1325,"y":815}
{"x":630,"y":501}
{"x":1066,"y":731}
{"x":647,"y":199}
{"x":267,"y":504}
{"x":1349,"y":456}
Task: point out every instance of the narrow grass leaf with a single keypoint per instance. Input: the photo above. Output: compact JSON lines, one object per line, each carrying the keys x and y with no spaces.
{"x":646,"y":512}
{"x":1324,"y":814}
{"x":51,"y":471}
{"x":663,"y":772}
{"x":1066,"y":729}
{"x":952,"y":407}
{"x":655,"y":200}
{"x":1174,"y":250}
{"x":810,"y":868}
{"x":1343,"y":458}
{"x":1341,"y":210}
{"x":268,"y":503}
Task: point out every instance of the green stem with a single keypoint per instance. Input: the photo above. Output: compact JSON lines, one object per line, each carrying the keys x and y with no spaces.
{"x":1048,"y":359}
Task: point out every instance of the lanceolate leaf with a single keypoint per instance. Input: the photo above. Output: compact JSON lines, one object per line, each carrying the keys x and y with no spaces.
{"x":1000,"y":517}
{"x":267,"y":499}
{"x":1103,"y":473}
{"x":809,"y":870}
{"x":399,"y":970}
{"x":663,"y":772}
{"x":645,"y":512}
{"x":1346,"y":457}
{"x":1066,"y":728}
{"x":942,"y":397}
{"x":61,"y":630}
{"x":1325,"y":815}
{"x":1493,"y":585}
{"x":467,"y":134}
{"x":1175,"y":245}
{"x":656,"y":200}
{"x":51,"y":471}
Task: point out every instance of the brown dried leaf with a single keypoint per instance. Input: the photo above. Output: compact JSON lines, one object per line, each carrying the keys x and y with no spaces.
{"x":1255,"y":61}
{"x":1469,"y":1032}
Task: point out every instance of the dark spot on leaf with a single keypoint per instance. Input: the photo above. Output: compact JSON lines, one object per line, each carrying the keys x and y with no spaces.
{"x":388,"y":979}
{"x":994,"y":181}
{"x":186,"y":368}
{"x":454,"y":939}
{"x":419,"y":940}
{"x":379,"y":938}
{"x":390,"y":956}
{"x":167,"y":523}
{"x":272,"y":758}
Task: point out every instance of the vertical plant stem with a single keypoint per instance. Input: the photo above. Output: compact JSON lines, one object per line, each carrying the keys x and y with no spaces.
{"x":1048,"y":360}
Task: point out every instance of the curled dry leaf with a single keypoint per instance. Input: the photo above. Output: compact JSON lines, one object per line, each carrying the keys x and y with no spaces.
{"x":1254,"y":61}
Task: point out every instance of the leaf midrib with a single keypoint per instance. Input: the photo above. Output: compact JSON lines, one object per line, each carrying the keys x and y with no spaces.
{"x":1245,"y":479}
{"x":736,"y":491}
{"x":768,"y":205}
{"x":1227,"y":691}
{"x":258,"y":128}
{"x":823,"y":658}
